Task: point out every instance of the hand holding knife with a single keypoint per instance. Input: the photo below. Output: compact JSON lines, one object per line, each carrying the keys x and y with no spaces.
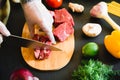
{"x":29,"y":43}
{"x":44,"y":20}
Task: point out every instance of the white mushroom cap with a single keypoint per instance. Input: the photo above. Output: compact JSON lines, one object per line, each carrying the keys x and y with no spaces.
{"x":92,"y":29}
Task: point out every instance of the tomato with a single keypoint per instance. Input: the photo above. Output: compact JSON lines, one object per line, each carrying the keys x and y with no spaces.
{"x":54,"y":3}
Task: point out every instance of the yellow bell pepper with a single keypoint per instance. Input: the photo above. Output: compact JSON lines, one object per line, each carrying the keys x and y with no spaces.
{"x":112,"y":43}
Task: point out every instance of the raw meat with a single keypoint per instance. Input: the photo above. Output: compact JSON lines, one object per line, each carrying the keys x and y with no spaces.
{"x":61,"y":16}
{"x":42,"y":53}
{"x":63,"y":31}
{"x":64,"y":24}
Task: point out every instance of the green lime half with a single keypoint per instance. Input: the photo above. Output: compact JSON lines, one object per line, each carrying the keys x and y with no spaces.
{"x":90,"y":49}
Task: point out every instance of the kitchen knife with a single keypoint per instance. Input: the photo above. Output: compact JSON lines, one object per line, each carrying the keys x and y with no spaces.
{"x":30,"y":43}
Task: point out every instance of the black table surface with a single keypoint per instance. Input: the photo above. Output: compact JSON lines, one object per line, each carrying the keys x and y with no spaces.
{"x":11,"y":58}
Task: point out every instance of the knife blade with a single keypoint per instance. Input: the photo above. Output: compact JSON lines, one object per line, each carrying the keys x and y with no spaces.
{"x":30,"y":43}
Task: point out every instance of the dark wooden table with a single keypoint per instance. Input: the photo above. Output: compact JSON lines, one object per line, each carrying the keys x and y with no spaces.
{"x":11,"y":58}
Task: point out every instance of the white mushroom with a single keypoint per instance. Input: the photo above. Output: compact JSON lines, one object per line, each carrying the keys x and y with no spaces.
{"x":92,"y":29}
{"x":76,"y":7}
{"x":101,"y":11}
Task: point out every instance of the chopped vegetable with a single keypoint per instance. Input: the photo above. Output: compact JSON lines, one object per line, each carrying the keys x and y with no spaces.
{"x":94,"y":70}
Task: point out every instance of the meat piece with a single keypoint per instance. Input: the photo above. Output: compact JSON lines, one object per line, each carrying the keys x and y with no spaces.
{"x":64,"y":24}
{"x":36,"y":37}
{"x":62,"y":15}
{"x":63,"y":31}
{"x":42,"y":53}
{"x":76,"y":7}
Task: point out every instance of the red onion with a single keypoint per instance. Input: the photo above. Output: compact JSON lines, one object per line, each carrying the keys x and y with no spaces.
{"x":22,"y":74}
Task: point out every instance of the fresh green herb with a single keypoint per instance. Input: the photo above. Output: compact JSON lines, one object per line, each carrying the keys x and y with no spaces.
{"x":94,"y":70}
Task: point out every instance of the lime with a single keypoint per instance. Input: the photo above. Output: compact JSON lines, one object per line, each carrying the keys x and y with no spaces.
{"x":90,"y":49}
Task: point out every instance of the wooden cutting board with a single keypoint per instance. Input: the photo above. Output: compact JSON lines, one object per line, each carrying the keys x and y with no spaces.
{"x":56,"y":60}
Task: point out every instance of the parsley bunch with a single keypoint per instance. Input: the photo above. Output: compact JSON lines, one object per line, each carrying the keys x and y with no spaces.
{"x":94,"y":70}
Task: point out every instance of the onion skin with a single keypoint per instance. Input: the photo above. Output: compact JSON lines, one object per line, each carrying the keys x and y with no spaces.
{"x":21,"y":74}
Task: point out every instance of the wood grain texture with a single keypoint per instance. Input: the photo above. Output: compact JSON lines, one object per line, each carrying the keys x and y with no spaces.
{"x":56,"y":60}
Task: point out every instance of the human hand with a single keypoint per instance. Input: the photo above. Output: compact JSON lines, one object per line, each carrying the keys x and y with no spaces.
{"x":37,"y":14}
{"x":3,"y":31}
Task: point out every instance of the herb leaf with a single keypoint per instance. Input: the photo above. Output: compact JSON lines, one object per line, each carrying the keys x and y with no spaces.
{"x":92,"y":70}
